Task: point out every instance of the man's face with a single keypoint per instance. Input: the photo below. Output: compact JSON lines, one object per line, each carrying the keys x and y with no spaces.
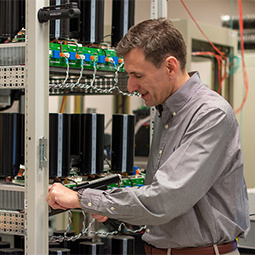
{"x":154,"y":84}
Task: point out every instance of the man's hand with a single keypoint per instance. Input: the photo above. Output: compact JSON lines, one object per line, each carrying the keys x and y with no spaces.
{"x":99,"y":218}
{"x":61,"y":197}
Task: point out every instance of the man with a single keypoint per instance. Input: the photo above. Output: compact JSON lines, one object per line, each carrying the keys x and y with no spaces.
{"x":194,"y":200}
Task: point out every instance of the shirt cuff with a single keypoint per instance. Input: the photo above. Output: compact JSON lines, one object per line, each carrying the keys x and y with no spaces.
{"x":91,"y":199}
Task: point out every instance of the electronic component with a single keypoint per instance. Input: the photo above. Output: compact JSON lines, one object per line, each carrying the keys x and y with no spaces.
{"x":122,"y":18}
{"x":103,"y":59}
{"x":89,"y":28}
{"x":11,"y":143}
{"x":123,"y":245}
{"x":91,"y":143}
{"x":122,"y":152}
{"x":12,"y":18}
{"x":59,"y":144}
{"x":91,"y":248}
{"x":59,"y":29}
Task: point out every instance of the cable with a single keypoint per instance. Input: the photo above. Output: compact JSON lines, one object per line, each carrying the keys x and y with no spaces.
{"x":242,"y":57}
{"x":223,"y":55}
{"x":200,"y":29}
{"x":63,"y":104}
{"x":220,"y":61}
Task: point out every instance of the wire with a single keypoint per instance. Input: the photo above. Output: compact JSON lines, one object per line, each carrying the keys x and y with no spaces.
{"x":223,"y":55}
{"x":242,"y":57}
{"x":200,"y":29}
{"x":221,"y":65}
{"x":7,"y":107}
{"x":63,"y":104}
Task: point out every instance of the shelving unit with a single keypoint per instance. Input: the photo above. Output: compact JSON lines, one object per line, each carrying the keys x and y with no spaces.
{"x":25,"y":66}
{"x":33,"y":77}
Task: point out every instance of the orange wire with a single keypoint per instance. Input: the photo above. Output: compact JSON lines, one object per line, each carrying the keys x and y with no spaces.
{"x":242,"y":54}
{"x":221,"y":53}
{"x":220,"y":63}
{"x":63,"y":104}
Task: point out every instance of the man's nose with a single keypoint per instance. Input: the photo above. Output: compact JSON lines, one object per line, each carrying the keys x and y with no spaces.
{"x":132,"y":85}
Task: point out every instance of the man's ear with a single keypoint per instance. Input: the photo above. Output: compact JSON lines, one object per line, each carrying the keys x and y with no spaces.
{"x":172,"y":65}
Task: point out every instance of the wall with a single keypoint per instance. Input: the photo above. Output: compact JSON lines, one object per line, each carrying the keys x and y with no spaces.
{"x":246,"y":117}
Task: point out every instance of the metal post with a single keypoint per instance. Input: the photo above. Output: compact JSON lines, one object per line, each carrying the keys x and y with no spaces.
{"x":36,"y":125}
{"x":158,"y":9}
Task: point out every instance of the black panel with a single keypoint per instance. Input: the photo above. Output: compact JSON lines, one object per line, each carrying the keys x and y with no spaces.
{"x":11,"y":143}
{"x":123,"y":245}
{"x":12,"y":18}
{"x":64,"y":27}
{"x":117,"y":144}
{"x":87,"y":164}
{"x":118,"y":19}
{"x":57,"y":159}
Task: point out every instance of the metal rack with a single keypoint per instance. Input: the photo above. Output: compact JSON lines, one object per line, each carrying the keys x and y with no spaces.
{"x":25,"y":66}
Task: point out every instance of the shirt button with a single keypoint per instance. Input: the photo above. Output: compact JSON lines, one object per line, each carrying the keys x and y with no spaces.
{"x":166,"y":126}
{"x":174,"y":113}
{"x":160,"y":152}
{"x":89,"y":204}
{"x":148,"y":230}
{"x":112,"y":208}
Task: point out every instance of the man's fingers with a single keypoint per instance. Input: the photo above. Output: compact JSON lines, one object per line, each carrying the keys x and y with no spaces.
{"x":99,"y":218}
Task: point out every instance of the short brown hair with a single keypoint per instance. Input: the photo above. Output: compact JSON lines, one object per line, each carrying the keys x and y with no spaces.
{"x":158,"y":38}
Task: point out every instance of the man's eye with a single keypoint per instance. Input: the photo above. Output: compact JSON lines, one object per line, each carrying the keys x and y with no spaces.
{"x":138,"y":76}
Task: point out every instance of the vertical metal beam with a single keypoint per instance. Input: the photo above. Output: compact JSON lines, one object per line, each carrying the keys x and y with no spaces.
{"x":158,"y":9}
{"x":36,"y":125}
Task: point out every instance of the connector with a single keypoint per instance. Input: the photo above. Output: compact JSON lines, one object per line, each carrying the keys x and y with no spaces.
{"x":72,"y":56}
{"x":56,"y":54}
{"x":115,"y":60}
{"x":101,"y":59}
{"x":87,"y":57}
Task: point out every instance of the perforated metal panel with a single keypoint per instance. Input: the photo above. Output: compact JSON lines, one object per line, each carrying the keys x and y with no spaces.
{"x":12,"y":77}
{"x":12,"y":222}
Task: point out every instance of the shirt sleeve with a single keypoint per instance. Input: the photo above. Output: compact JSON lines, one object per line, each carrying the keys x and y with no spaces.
{"x":183,"y":178}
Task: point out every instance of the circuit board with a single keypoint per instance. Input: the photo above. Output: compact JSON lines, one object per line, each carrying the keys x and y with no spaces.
{"x":60,"y":55}
{"x":132,"y":181}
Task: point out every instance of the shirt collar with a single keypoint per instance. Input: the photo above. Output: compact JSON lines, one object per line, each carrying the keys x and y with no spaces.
{"x":177,"y":100}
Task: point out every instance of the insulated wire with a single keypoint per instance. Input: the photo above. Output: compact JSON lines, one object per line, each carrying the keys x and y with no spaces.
{"x":202,"y":32}
{"x":223,"y":55}
{"x":242,"y":55}
{"x":220,"y":61}
{"x":63,"y":104}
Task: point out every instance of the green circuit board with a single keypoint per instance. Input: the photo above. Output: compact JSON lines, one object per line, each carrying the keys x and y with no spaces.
{"x":60,"y":55}
{"x":132,"y":181}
